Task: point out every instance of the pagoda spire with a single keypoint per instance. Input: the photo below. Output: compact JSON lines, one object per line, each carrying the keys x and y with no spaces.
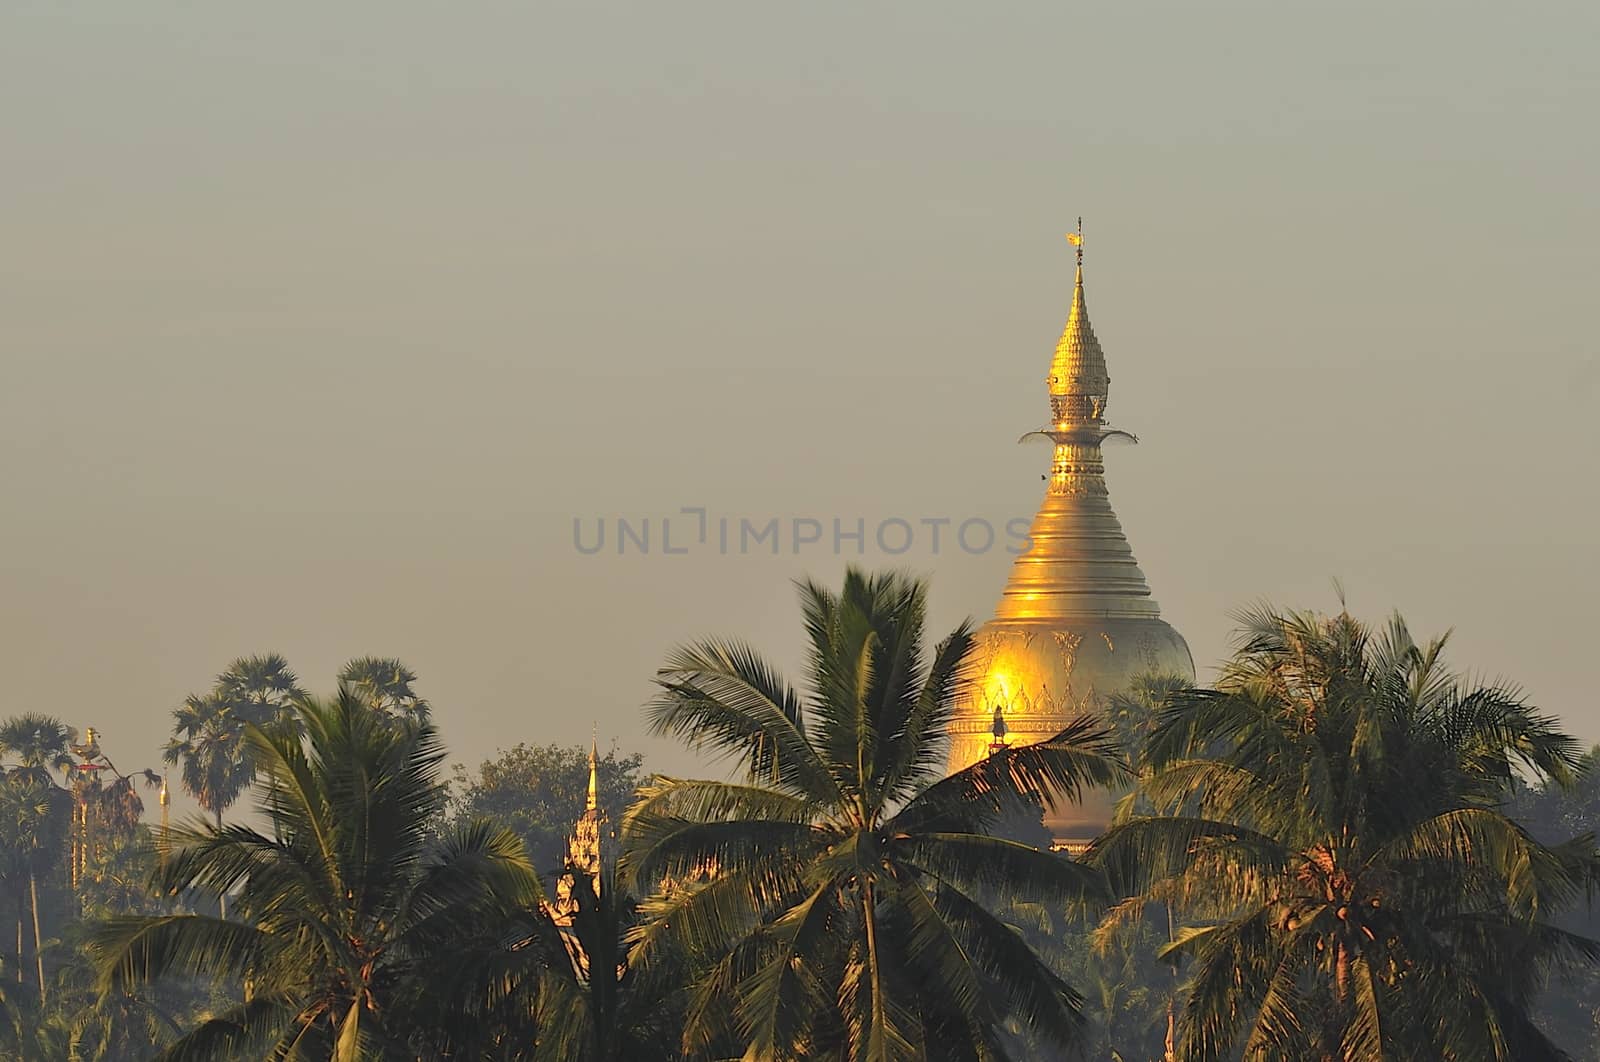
{"x":1079,"y":384}
{"x":1079,"y":562}
{"x":594,"y":775}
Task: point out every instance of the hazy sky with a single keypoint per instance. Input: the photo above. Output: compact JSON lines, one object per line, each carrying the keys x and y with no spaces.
{"x":321,"y":323}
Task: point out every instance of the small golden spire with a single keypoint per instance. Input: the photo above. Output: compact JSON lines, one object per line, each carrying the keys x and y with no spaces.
{"x":1079,"y":383}
{"x":165,"y":797}
{"x":594,"y":773}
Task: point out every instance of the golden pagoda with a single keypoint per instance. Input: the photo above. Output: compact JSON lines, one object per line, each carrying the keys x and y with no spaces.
{"x":1076,"y":623}
{"x":583,"y":847}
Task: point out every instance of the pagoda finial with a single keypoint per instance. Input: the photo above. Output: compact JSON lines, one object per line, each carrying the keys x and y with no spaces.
{"x":1079,"y":383}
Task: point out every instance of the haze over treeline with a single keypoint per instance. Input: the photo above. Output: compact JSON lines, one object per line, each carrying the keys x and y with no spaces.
{"x":319,"y":327}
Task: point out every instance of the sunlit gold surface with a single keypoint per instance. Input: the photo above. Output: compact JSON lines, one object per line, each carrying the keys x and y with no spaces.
{"x":1076,"y":622}
{"x":583,"y":848}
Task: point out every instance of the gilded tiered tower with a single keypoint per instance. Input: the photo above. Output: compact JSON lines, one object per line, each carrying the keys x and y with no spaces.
{"x":583,"y":847}
{"x":1076,"y":623}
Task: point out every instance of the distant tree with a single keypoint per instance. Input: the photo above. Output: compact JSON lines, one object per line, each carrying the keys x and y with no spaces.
{"x":32,"y":832}
{"x":209,"y":743}
{"x":1124,"y":960}
{"x":259,"y":689}
{"x":1568,"y":1007}
{"x":539,"y":790}
{"x":35,"y":747}
{"x":1134,"y":712}
{"x":1331,"y":826}
{"x":34,"y":812}
{"x":343,"y":910}
{"x":386,"y":685}
{"x":209,"y":731}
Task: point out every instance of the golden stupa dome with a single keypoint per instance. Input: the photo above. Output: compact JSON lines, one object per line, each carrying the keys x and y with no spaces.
{"x":1076,"y":623}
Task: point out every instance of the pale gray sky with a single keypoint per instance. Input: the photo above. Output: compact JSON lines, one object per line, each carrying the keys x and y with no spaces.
{"x":319,"y":324}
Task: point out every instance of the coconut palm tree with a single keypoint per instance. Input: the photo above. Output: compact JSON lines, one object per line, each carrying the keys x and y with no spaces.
{"x":341,"y":910}
{"x":1332,"y":830}
{"x":598,"y":1005}
{"x":549,"y":989}
{"x":385,"y":684}
{"x":848,"y":888}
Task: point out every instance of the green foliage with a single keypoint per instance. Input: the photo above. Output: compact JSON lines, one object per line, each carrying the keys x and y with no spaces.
{"x":537,"y":791}
{"x":209,"y":743}
{"x":35,"y":746}
{"x":570,"y":992}
{"x":1331,"y":825}
{"x":209,"y":731}
{"x":1569,"y":1006}
{"x":846,"y":891}
{"x":386,"y":685}
{"x":1134,"y":712}
{"x":341,"y":911}
{"x":1331,"y":829}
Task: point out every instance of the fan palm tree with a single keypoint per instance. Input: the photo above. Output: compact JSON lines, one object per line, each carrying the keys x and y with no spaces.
{"x":32,"y":829}
{"x":341,"y":910}
{"x":849,"y":888}
{"x":209,"y":741}
{"x":259,"y":689}
{"x":33,"y":808}
{"x":1332,"y":830}
{"x":37,"y":746}
{"x":209,"y":731}
{"x":386,"y":684}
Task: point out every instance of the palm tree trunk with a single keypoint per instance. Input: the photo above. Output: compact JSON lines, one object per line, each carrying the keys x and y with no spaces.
{"x":222,"y":897}
{"x":38,"y":954}
{"x":880,"y":1018}
{"x":19,"y":940}
{"x":1172,"y":999}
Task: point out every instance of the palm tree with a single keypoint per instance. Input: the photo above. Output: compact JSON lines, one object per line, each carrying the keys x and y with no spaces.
{"x":209,"y":731}
{"x":37,"y":745}
{"x":31,"y":832}
{"x":32,"y":808}
{"x":599,"y":1005}
{"x":847,"y":888}
{"x":341,"y":910}
{"x":1133,"y":713}
{"x":562,"y":990}
{"x":1332,"y":830}
{"x":259,"y":689}
{"x":386,"y":685}
{"x":209,"y":741}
